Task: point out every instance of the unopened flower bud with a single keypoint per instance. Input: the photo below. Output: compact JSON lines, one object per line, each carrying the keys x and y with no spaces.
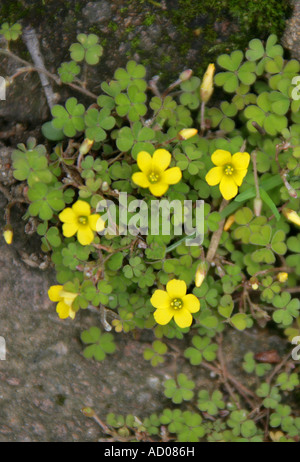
{"x":88,"y":412}
{"x":254,"y":283}
{"x":187,"y":133}
{"x":293,"y":193}
{"x":292,"y":216}
{"x":85,"y":146}
{"x":186,"y":75}
{"x":207,"y":86}
{"x":282,"y":277}
{"x":200,"y":274}
{"x":257,"y":205}
{"x":8,"y":234}
{"x":105,"y":186}
{"x":229,"y":222}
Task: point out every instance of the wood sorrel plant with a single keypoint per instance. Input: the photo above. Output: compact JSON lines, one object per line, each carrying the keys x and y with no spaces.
{"x":242,"y":158}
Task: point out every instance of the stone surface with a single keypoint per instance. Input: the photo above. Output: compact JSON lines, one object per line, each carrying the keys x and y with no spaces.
{"x":291,"y":37}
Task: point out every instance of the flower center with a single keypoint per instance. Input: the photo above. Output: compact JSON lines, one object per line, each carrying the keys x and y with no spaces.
{"x":176,"y":304}
{"x":82,"y":220}
{"x":228,"y":169}
{"x":153,"y":177}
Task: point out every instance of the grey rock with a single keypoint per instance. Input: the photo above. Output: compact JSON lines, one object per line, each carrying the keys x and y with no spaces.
{"x":97,"y":12}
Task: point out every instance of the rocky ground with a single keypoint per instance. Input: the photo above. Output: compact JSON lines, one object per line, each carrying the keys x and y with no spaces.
{"x":45,"y":380}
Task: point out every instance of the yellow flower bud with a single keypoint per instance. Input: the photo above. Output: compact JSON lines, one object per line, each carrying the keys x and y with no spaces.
{"x":292,"y":216}
{"x":229,"y":222}
{"x":275,"y":436}
{"x":200,"y":274}
{"x":187,"y":133}
{"x":85,"y":146}
{"x":8,"y":234}
{"x":207,"y":86}
{"x":282,"y":277}
{"x":254,"y":283}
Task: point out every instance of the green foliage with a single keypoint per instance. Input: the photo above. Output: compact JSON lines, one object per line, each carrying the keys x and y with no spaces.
{"x":117,"y":273}
{"x":68,"y":71}
{"x":100,"y":344}
{"x":210,"y":404}
{"x":250,"y":365}
{"x":180,"y":389}
{"x":202,"y":348}
{"x":69,"y":119}
{"x":87,"y":49}
{"x":11,"y":32}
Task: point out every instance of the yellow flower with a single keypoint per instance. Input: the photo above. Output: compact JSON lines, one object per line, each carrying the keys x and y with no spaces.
{"x":174,"y":303}
{"x":207,"y":86}
{"x":229,"y":171}
{"x":8,"y":234}
{"x":64,"y":299}
{"x":187,"y":133}
{"x":282,"y":277}
{"x":155,"y":173}
{"x":79,"y":219}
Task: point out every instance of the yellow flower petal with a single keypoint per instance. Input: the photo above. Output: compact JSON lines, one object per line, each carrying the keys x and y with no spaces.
{"x":81,"y":208}
{"x":214,"y":176}
{"x":228,"y":187}
{"x":161,"y":160}
{"x":158,"y":189}
{"x":67,"y":216}
{"x":183,"y":318}
{"x":187,"y":133}
{"x":93,"y":220}
{"x":54,"y":293}
{"x":176,"y":288}
{"x":68,"y":297}
{"x":191,"y":303}
{"x":172,"y":175}
{"x":85,"y":235}
{"x":72,"y":313}
{"x":239,"y":175}
{"x":140,"y":179}
{"x":221,"y":157}
{"x":100,"y":225}
{"x":144,"y":161}
{"x":163,"y":316}
{"x":240,"y":160}
{"x":62,"y":310}
{"x":69,"y":229}
{"x":160,"y":299}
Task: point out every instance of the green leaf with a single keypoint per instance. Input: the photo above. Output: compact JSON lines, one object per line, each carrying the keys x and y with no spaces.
{"x":239,"y":321}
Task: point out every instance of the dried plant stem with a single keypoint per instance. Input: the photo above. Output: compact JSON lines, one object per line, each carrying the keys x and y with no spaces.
{"x":215,"y":239}
{"x":32,"y":43}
